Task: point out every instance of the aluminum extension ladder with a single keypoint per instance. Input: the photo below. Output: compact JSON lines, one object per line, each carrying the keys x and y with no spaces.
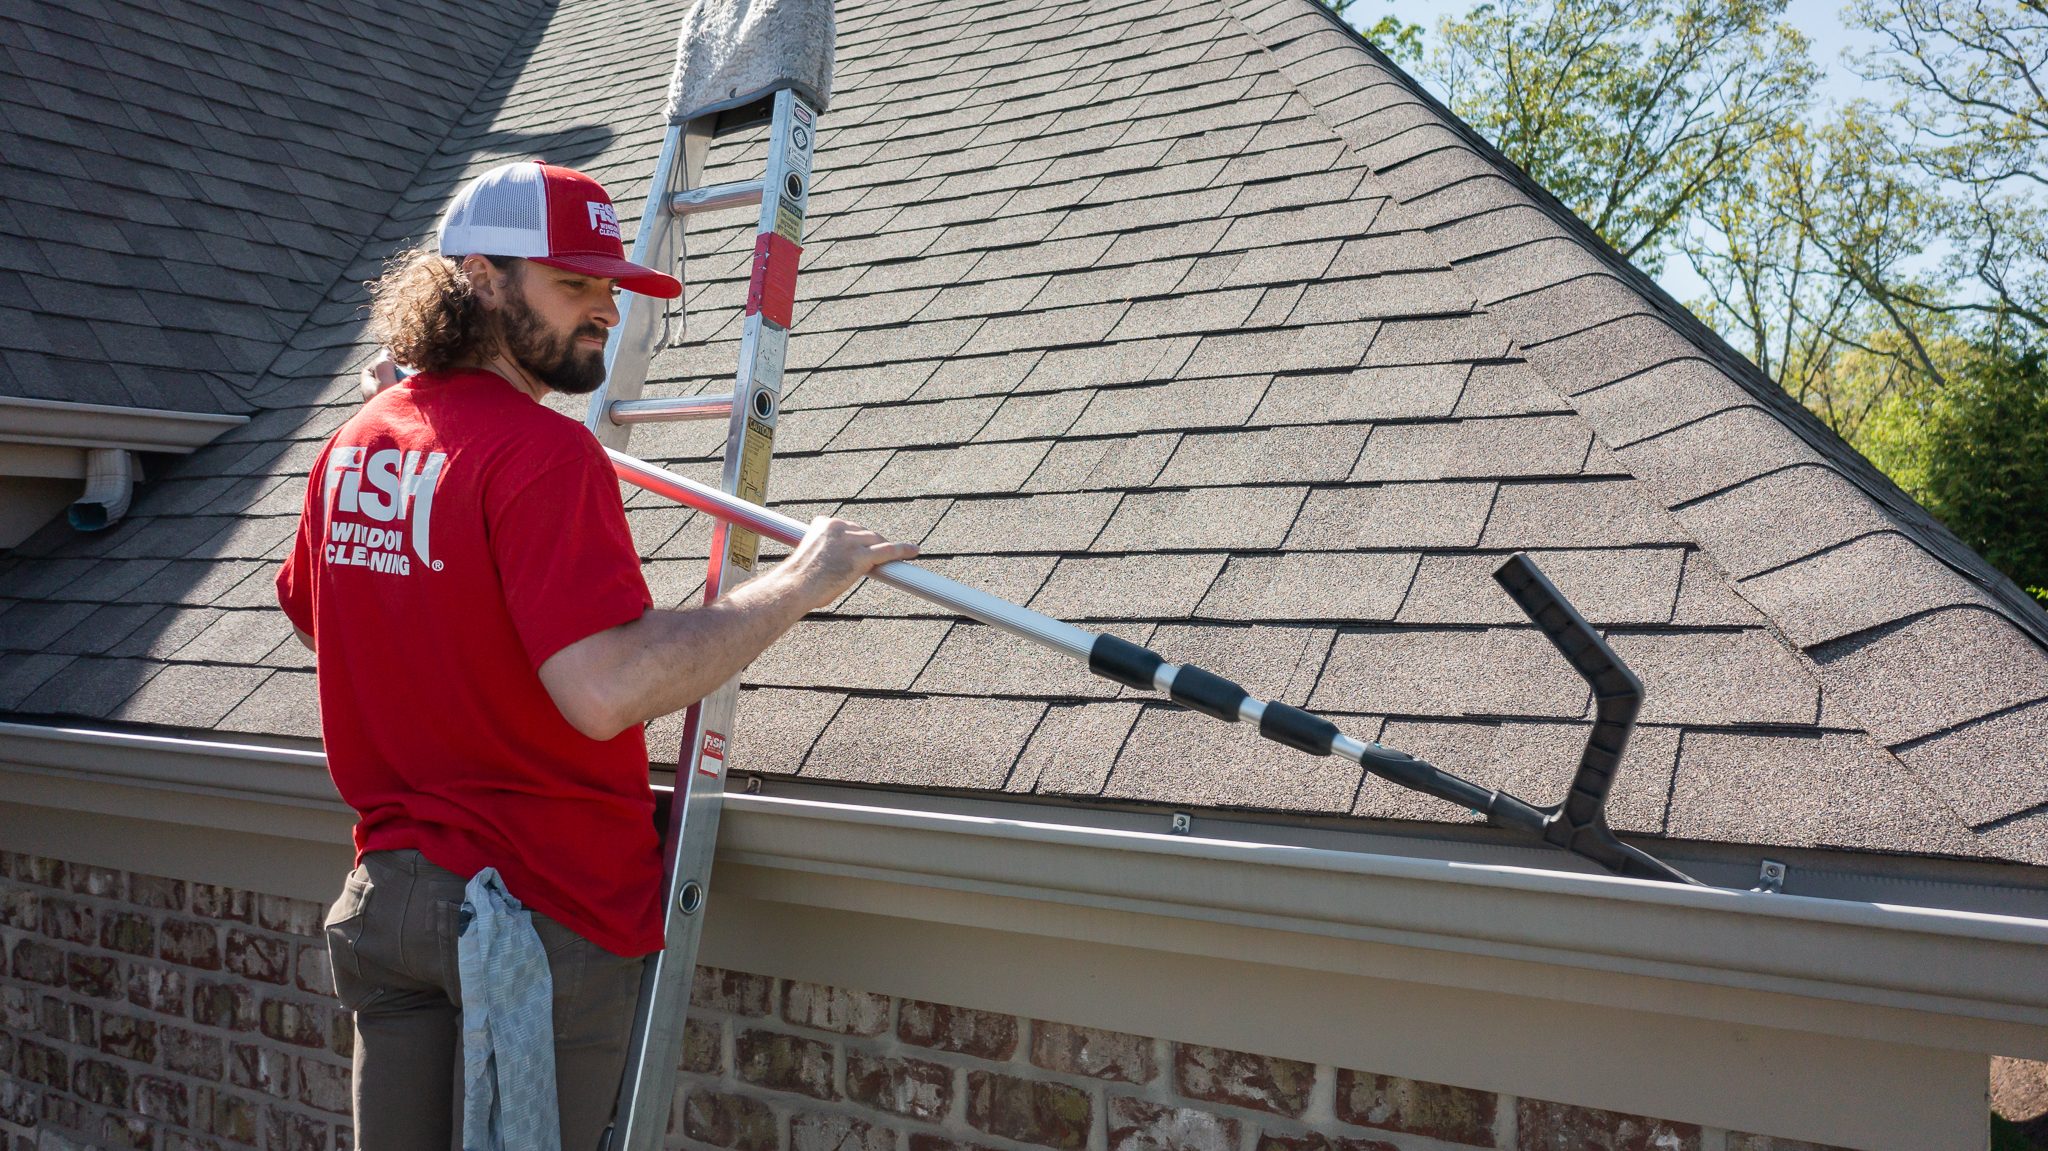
{"x":1577,"y":823}
{"x":750,"y":411}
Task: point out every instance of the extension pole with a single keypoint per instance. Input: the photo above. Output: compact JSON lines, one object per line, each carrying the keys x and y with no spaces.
{"x":1578,"y":825}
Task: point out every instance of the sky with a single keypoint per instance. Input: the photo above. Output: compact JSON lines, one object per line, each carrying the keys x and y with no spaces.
{"x":1820,"y":20}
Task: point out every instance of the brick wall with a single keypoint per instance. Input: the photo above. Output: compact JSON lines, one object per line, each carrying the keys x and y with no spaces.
{"x":145,"y":1012}
{"x":781,"y":1065}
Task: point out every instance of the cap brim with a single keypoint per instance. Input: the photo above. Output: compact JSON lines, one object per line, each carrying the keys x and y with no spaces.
{"x":631,"y":276}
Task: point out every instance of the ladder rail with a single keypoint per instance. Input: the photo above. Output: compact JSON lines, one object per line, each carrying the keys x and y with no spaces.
{"x":647,"y":1088}
{"x":632,"y":342}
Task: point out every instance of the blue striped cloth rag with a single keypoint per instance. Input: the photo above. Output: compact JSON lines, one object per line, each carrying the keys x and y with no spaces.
{"x":508,"y":1024}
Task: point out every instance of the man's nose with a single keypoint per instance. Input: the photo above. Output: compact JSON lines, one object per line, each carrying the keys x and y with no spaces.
{"x":607,"y":311}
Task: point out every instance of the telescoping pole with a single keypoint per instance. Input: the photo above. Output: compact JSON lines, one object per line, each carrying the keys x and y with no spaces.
{"x":1578,"y":824}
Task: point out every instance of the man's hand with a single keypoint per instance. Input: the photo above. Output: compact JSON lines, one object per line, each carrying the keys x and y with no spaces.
{"x":667,"y":660}
{"x":834,"y":556}
{"x":377,"y":375}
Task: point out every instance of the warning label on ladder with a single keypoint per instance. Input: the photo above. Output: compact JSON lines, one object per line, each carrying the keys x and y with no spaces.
{"x":789,"y":219}
{"x":712,"y":762}
{"x":744,"y":547}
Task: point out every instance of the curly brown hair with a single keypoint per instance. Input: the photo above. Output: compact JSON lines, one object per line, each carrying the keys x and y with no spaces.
{"x":425,"y":313}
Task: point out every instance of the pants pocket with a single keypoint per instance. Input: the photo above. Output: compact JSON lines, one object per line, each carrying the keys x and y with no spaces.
{"x":344,"y":930}
{"x":568,"y":961}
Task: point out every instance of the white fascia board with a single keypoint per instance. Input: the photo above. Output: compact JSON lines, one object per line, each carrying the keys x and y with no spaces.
{"x":41,"y":461}
{"x":60,"y":424}
{"x":261,"y":774}
{"x":1953,"y":978}
{"x":1988,"y":974}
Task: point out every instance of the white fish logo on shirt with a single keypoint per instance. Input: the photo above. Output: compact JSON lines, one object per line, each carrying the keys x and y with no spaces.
{"x":388,"y":486}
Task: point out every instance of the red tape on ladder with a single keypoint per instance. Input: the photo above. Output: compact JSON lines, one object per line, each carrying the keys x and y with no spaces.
{"x":773,"y":290}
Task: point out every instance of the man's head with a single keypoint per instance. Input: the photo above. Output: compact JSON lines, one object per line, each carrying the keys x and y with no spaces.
{"x":529,"y":260}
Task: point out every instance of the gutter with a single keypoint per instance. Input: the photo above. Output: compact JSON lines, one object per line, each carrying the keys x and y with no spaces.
{"x":61,"y":424}
{"x":1986,"y":974}
{"x":252,"y":772}
{"x":96,"y":441}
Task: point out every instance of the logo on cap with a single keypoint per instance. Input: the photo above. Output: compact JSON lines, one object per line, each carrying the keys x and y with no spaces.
{"x":529,"y":209}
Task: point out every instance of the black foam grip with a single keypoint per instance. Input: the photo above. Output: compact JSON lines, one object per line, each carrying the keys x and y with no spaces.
{"x":1284,"y":723}
{"x":1123,"y":661}
{"x":1206,"y":693}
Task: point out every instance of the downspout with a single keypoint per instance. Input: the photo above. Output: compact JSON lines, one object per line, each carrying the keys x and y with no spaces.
{"x":109,"y":484}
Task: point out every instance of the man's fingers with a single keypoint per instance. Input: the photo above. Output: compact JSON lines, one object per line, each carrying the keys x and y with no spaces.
{"x":848,"y":529}
{"x":377,"y":376}
{"x":830,"y":535}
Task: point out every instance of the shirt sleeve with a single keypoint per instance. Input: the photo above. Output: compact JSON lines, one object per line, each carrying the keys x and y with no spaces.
{"x":566,"y":557}
{"x":295,"y":578}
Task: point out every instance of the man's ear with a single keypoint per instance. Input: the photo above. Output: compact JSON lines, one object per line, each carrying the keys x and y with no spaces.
{"x":485,"y":281}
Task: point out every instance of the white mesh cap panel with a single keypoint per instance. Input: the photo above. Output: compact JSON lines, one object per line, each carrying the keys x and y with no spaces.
{"x":503,"y":212}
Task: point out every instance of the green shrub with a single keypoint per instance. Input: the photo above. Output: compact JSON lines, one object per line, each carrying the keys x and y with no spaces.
{"x":1987,"y":464}
{"x":1975,"y":453}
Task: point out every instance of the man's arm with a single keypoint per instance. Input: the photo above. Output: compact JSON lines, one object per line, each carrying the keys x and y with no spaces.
{"x":667,"y":660}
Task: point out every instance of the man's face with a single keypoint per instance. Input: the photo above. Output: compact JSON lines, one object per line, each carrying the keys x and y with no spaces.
{"x":554,"y":324}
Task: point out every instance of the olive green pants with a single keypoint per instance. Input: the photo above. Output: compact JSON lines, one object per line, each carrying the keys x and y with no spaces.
{"x":392,"y":936}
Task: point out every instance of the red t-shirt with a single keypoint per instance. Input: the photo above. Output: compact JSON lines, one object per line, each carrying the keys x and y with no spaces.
{"x":438,"y":730}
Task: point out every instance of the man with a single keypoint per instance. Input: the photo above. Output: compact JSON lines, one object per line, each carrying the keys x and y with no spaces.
{"x":488,"y":650}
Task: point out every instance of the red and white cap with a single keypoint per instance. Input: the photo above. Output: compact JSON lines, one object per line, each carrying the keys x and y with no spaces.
{"x":550,"y":215}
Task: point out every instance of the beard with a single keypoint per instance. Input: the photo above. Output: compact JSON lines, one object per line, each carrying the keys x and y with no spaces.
{"x":552,"y":358}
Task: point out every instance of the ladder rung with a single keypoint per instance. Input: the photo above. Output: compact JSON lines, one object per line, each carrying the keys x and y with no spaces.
{"x":716,"y":196}
{"x":671,"y":410}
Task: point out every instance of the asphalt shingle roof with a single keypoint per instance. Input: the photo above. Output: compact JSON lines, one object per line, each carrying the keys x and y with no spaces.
{"x":185,"y":180}
{"x":1203,"y":324}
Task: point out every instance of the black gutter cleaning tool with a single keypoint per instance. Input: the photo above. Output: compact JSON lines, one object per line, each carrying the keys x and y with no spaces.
{"x":1578,"y":824}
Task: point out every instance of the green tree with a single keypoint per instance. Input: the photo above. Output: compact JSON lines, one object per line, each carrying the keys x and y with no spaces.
{"x":1772,"y":291}
{"x":1971,"y":119}
{"x":1401,"y":42}
{"x":1637,"y":114}
{"x":1790,"y":251}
